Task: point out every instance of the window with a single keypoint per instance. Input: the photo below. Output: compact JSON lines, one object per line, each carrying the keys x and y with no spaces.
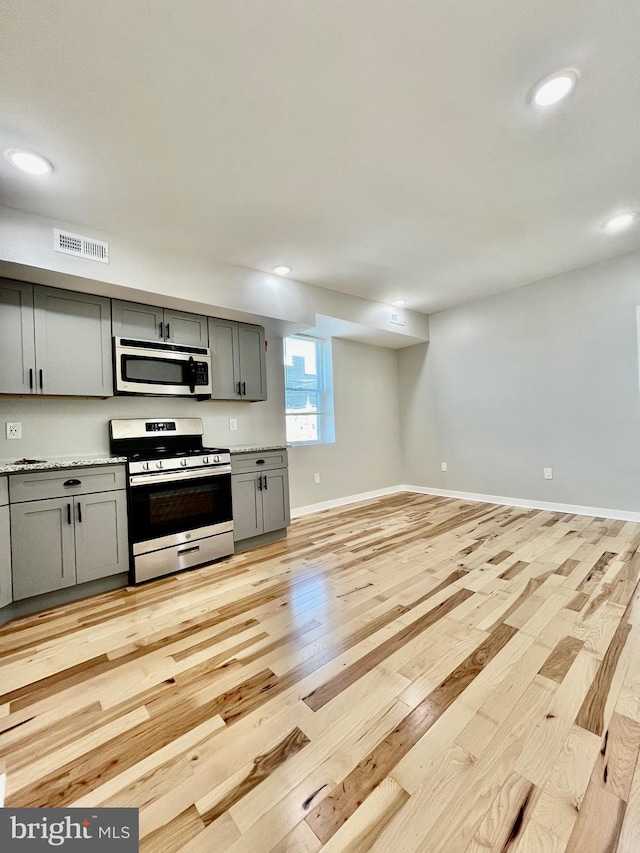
{"x":308,"y":385}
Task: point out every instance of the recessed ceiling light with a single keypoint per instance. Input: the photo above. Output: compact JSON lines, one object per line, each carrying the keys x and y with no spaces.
{"x":28,"y":161}
{"x":399,"y":302}
{"x":620,"y":222}
{"x":282,"y":270}
{"x":554,"y":88}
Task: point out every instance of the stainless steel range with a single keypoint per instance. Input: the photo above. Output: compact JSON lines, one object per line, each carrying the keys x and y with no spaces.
{"x":180,"y":513}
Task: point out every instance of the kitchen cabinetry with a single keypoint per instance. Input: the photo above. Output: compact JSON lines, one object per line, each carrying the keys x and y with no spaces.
{"x":133,"y":320}
{"x":68,"y":526}
{"x":5,"y":545}
{"x":238,"y":360}
{"x":260,"y":493}
{"x":54,"y":341}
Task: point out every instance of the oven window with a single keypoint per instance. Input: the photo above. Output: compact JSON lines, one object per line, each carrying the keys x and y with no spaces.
{"x":156,"y":371}
{"x":167,"y":508}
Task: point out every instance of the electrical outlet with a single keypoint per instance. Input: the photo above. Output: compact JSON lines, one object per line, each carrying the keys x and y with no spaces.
{"x":316,"y":478}
{"x":443,"y":466}
{"x":233,"y":424}
{"x":14,"y":429}
{"x":548,"y":473}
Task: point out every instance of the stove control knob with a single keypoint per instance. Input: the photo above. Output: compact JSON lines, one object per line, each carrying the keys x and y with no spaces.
{"x":184,"y":462}
{"x":159,"y":464}
{"x":216,"y":458}
{"x":205,"y":461}
{"x":146,"y":465}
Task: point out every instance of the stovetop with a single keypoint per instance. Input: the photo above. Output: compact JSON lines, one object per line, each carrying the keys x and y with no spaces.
{"x":159,"y":445}
{"x":170,"y":453}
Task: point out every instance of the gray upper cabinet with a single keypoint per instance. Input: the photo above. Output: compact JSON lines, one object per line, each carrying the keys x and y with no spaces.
{"x":183,"y":328}
{"x":73,"y":343}
{"x":253,"y":363}
{"x":131,"y":320}
{"x":146,"y":322}
{"x":239,"y":370}
{"x":54,"y":341}
{"x":17,"y":342}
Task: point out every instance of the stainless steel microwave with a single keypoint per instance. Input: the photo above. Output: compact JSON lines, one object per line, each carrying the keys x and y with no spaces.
{"x":154,"y":368}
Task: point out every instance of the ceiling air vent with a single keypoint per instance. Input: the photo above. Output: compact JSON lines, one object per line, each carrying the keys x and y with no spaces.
{"x":81,"y":247}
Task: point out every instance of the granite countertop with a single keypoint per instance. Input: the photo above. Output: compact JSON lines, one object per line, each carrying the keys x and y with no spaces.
{"x":52,"y":464}
{"x":257,"y":448}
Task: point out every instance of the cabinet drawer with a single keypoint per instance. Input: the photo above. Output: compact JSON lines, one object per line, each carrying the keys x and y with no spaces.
{"x":242,"y":463}
{"x":4,"y":491}
{"x":39,"y":485}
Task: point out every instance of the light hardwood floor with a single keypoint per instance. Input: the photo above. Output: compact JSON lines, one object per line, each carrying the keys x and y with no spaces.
{"x":411,"y":673}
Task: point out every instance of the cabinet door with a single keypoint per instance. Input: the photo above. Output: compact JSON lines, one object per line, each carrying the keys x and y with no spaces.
{"x":253,"y":368}
{"x":225,"y":359}
{"x":131,"y":320}
{"x":17,"y":345}
{"x":247,"y":506}
{"x":5,"y":557}
{"x":275,"y":500}
{"x":42,"y":547}
{"x":101,"y":535}
{"x":182,"y":328}
{"x":73,"y":343}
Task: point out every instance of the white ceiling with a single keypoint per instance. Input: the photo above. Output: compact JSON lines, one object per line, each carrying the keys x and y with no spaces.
{"x":384,"y":149}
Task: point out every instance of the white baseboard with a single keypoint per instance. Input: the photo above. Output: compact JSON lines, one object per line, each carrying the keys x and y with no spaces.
{"x":349,"y":499}
{"x":525,"y":503}
{"x":574,"y":509}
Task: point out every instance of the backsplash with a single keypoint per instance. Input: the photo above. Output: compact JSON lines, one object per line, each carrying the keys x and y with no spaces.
{"x":65,"y":426}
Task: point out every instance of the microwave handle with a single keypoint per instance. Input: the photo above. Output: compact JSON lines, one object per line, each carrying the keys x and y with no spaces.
{"x":192,"y":374}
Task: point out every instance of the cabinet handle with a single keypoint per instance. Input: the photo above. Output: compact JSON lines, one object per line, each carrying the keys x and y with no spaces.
{"x":79,"y":512}
{"x":68,"y":513}
{"x":161,"y":330}
{"x":244,"y":389}
{"x":72,"y":483}
{"x":265,"y":483}
{"x":31,"y":378}
{"x":189,"y":550}
{"x":260,"y":482}
{"x":240,"y":389}
{"x":41,"y":379}
{"x":167,"y":336}
{"x":259,"y":461}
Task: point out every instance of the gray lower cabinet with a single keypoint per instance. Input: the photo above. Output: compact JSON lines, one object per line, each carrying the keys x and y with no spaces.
{"x":63,"y":541}
{"x":275,"y":500}
{"x":68,"y":526}
{"x":42,"y":547}
{"x":5,"y":545}
{"x":102,"y":547}
{"x":247,"y":506}
{"x":54,"y":341}
{"x":260,"y":496}
{"x":238,"y":360}
{"x":147,"y":322}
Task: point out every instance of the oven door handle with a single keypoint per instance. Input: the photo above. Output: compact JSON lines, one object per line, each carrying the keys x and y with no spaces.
{"x":178,"y":477}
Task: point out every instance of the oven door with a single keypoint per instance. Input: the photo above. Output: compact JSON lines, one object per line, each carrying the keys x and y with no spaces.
{"x":169,"y":509}
{"x":143,"y":368}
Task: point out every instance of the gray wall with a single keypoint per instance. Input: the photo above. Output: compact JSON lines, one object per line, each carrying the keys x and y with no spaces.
{"x":366,"y":454}
{"x":542,"y":376}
